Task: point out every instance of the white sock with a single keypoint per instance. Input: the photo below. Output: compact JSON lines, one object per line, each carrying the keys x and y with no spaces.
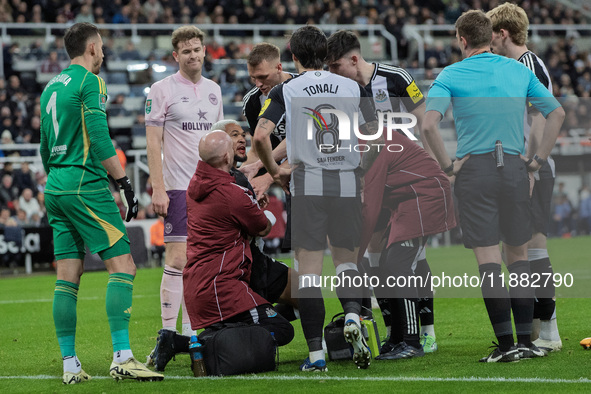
{"x":296,"y":312}
{"x":549,"y":330}
{"x":429,"y":330}
{"x":187,"y":330}
{"x":354,"y":317}
{"x":316,"y":355}
{"x":72,"y":364}
{"x":122,"y":355}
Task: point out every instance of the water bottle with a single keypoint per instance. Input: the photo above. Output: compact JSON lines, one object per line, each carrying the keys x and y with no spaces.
{"x":197,"y":363}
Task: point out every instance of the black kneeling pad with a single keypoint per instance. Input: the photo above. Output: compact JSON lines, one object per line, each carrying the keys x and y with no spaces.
{"x":236,"y":348}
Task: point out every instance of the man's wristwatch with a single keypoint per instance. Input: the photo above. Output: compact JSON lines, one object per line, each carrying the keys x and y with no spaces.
{"x":449,"y":171}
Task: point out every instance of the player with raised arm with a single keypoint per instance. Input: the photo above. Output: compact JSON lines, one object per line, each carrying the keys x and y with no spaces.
{"x":510,"y":25}
{"x":180,"y":109}
{"x":77,"y":153}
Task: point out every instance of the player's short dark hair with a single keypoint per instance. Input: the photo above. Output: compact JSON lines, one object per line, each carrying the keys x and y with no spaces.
{"x":261,"y":52}
{"x":77,"y":37}
{"x":341,"y":43}
{"x":308,"y":45}
{"x":186,"y":33}
{"x":475,"y":27}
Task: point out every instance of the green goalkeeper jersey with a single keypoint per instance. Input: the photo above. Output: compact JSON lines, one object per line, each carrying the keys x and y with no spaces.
{"x":74,"y":132}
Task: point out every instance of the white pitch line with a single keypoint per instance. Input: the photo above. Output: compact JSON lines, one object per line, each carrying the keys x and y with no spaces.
{"x":473,"y":379}
{"x":41,"y":300}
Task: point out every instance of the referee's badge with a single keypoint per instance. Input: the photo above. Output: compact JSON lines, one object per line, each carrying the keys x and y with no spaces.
{"x":148,"y":106}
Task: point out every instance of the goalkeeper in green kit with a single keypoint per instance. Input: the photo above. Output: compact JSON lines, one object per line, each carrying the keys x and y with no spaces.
{"x":77,"y":153}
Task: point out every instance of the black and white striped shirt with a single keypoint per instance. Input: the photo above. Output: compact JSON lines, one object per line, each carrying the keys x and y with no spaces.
{"x":323,"y":162}
{"x":537,"y":66}
{"x":251,"y":107}
{"x":394,"y":89}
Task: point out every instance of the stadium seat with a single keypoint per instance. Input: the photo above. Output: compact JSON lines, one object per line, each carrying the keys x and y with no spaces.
{"x":121,"y":122}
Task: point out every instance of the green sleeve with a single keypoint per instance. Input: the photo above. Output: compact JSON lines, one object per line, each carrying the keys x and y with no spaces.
{"x":44,"y":149}
{"x":94,"y":97}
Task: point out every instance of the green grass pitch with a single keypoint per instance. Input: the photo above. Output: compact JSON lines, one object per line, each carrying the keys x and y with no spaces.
{"x":30,"y":359}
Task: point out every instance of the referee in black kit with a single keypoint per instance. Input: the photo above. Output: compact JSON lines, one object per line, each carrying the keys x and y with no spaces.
{"x":492,"y":186}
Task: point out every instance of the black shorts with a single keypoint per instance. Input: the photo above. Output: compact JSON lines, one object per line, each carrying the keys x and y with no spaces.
{"x":494,"y":204}
{"x":268,"y":277}
{"x":316,"y":217}
{"x":541,"y":200}
{"x":286,"y":246}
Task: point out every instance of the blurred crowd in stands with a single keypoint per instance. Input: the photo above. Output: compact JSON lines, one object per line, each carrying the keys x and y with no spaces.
{"x":21,"y":192}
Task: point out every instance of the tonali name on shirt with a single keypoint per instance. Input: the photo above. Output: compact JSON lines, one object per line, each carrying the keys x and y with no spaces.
{"x":321,"y":88}
{"x":196,"y":125}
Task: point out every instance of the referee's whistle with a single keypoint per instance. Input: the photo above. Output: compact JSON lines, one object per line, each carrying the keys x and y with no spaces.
{"x":499,"y":154}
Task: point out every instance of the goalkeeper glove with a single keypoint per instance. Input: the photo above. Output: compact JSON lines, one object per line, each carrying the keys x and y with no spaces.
{"x":128,"y":197}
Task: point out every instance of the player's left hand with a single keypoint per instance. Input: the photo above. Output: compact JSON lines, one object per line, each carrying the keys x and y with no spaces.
{"x":250,"y":170}
{"x":128,"y":197}
{"x":261,"y":184}
{"x":263,"y":201}
{"x":282,"y":178}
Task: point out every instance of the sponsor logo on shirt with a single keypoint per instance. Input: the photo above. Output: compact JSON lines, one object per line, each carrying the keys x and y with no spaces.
{"x":213,"y":99}
{"x":102,"y":101}
{"x":381,"y":96}
{"x":148,"y":106}
{"x":414,"y":92}
{"x":59,"y":150}
{"x":189,"y":126}
{"x":202,"y":115}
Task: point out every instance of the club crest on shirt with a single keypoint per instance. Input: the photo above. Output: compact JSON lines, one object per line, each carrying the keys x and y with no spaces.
{"x":381,"y":96}
{"x":213,"y":99}
{"x":102,"y":101}
{"x":148,"y":106}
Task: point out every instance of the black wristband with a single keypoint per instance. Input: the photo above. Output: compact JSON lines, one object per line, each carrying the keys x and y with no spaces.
{"x":527,"y":163}
{"x":449,"y":169}
{"x":124,"y":183}
{"x":540,"y":161}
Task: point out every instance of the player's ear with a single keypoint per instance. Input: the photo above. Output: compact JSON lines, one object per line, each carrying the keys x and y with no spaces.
{"x":280,"y":67}
{"x":176,"y":56}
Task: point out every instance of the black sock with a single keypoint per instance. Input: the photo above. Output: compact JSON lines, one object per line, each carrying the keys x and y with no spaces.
{"x":364,"y":268}
{"x":522,"y":300}
{"x":386,"y":312}
{"x":348,"y":293}
{"x":410,"y":320}
{"x":312,"y":313}
{"x":396,"y":307}
{"x":497,"y":302}
{"x":544,"y":305}
{"x":425,"y":304}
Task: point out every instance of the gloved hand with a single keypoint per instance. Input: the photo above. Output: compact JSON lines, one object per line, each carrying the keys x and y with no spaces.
{"x":128,"y":197}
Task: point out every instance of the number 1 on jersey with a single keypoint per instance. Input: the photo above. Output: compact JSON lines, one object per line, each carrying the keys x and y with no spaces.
{"x":52,"y":108}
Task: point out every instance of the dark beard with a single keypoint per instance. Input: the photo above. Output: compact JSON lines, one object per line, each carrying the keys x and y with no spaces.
{"x":239,"y":159}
